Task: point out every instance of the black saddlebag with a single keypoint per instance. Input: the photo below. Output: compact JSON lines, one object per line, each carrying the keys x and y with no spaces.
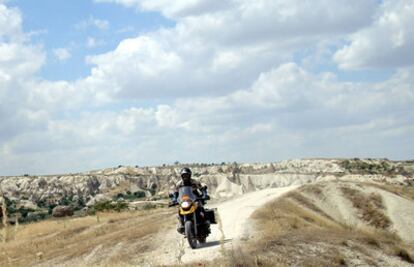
{"x":211,"y":216}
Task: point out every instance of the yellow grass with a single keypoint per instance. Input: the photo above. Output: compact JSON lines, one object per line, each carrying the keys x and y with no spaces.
{"x":127,"y":234}
{"x":293,"y":231}
{"x":400,"y":190}
{"x":369,"y":206}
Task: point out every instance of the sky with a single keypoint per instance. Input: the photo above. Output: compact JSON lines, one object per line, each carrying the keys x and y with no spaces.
{"x":89,"y":84}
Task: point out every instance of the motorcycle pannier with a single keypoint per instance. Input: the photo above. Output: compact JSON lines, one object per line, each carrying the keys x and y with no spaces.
{"x":210,"y":215}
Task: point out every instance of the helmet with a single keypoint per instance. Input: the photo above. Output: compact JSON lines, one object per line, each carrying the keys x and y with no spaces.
{"x":185,"y":174}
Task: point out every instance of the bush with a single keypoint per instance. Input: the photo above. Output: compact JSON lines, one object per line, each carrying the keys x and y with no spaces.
{"x":139,"y":194}
{"x":149,"y":206}
{"x":34,"y":217}
{"x":25,"y":211}
{"x":129,"y":196}
{"x":41,"y":204}
{"x":65,"y":201}
{"x":357,"y":166}
{"x":80,"y":204}
{"x":110,"y":205}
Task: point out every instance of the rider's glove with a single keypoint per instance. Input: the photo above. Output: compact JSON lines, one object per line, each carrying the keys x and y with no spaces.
{"x":205,"y":193}
{"x":174,"y":197}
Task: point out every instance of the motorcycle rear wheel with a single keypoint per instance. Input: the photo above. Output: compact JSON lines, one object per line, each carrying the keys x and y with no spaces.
{"x":192,"y":241}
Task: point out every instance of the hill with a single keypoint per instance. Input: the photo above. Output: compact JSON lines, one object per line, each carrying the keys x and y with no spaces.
{"x":297,"y":212}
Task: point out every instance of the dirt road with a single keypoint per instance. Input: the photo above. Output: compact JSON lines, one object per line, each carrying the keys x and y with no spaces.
{"x":233,"y":225}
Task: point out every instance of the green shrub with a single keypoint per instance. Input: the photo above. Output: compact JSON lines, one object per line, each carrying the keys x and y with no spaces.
{"x":34,"y":217}
{"x":65,"y":201}
{"x":41,"y":204}
{"x":24,"y":211}
{"x":110,"y":205}
{"x":357,"y":166}
{"x":139,"y":194}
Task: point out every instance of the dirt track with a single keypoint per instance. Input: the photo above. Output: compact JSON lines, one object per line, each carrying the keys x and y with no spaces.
{"x":232,"y":227}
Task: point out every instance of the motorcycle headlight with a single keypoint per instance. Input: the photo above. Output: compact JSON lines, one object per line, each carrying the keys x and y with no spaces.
{"x":186,"y":205}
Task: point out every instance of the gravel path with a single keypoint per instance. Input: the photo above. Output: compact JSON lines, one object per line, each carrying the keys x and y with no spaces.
{"x":233,"y":225}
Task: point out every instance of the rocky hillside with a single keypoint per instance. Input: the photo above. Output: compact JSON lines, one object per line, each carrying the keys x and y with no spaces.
{"x":33,"y":195}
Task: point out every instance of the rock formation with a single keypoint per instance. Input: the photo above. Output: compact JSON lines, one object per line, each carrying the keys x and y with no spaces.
{"x":223,"y":180}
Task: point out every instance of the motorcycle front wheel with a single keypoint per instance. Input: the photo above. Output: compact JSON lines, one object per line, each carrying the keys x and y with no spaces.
{"x":192,"y":241}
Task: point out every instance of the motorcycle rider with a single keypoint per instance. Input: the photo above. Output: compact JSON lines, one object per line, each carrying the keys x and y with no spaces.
{"x":186,"y":180}
{"x":199,"y":190}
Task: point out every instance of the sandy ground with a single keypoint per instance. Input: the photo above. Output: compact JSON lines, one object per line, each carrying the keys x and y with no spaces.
{"x":233,"y":227}
{"x":401,"y":212}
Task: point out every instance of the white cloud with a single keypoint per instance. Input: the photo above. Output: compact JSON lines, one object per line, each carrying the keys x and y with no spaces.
{"x":92,"y":42}
{"x":388,"y":42}
{"x":19,"y":61}
{"x":219,"y":48}
{"x":172,"y":8}
{"x":220,"y":85}
{"x":93,"y":22}
{"x":61,"y":54}
{"x":10,"y":23}
{"x":287,"y":110}
{"x":133,"y":67}
{"x":289,"y":99}
{"x":18,"y":58}
{"x":100,"y":24}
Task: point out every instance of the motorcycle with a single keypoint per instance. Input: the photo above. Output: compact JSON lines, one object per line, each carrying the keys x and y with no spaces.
{"x":195,"y":219}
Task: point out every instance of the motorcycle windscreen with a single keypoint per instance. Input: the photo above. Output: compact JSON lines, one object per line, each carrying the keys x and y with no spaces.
{"x":185,"y":193}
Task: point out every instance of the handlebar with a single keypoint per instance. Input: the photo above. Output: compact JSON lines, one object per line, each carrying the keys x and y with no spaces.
{"x":175,"y":203}
{"x":172,"y":204}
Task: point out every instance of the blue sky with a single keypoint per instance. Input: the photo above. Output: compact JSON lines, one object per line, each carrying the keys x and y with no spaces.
{"x":97,"y":83}
{"x":67,"y":24}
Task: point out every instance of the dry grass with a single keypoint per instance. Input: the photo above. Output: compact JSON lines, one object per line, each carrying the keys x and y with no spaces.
{"x":114,"y":238}
{"x":399,"y":190}
{"x":301,"y":199}
{"x":369,"y":206}
{"x":289,"y":230}
{"x":293,"y":232}
{"x":315,"y":189}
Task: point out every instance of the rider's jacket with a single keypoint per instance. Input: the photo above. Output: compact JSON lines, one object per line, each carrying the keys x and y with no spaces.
{"x":194,"y":183}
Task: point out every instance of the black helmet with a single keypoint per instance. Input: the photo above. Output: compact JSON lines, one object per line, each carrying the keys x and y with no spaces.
{"x":185,"y":174}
